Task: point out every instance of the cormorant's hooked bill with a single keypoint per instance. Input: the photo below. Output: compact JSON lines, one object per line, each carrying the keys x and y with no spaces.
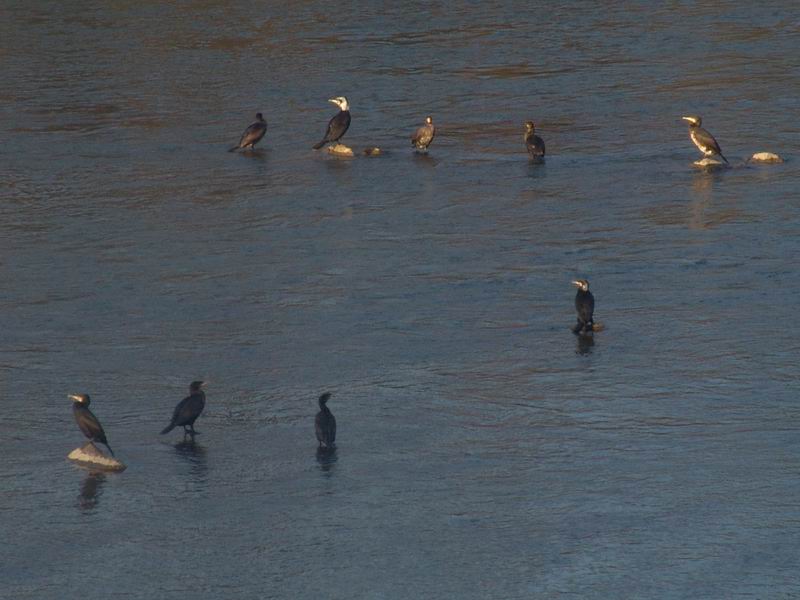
{"x":87,"y":422}
{"x":338,"y":125}
{"x":325,"y":423}
{"x":704,"y":141}
{"x":584,"y":306}
{"x":423,"y":136}
{"x":188,"y":409}
{"x":533,"y":142}
{"x":252,"y":135}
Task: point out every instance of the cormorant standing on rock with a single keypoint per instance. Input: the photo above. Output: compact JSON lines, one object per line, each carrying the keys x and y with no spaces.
{"x":188,"y":409}
{"x":584,"y":305}
{"x":325,"y":423}
{"x":704,"y":141}
{"x":423,"y":136}
{"x":253,"y":134}
{"x":86,"y":420}
{"x":338,"y":125}
{"x":533,"y":142}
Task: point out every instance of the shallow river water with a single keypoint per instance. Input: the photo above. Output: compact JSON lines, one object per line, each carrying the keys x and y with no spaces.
{"x":483,"y":450}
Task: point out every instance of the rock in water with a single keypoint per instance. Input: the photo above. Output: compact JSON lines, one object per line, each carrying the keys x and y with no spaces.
{"x":372,"y":151}
{"x":709,"y":164}
{"x":766,"y":157}
{"x":340,"y":150}
{"x":88,"y":455}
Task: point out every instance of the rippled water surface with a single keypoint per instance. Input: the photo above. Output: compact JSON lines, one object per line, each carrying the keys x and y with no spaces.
{"x":484,"y":451}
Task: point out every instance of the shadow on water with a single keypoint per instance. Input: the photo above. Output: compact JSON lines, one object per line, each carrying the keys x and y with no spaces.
{"x":424,"y":159}
{"x":91,"y":490}
{"x":326,"y":458}
{"x":585,"y":343}
{"x":194,"y":455}
{"x":536,"y":169}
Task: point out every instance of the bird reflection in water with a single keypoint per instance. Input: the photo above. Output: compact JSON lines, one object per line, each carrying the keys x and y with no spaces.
{"x":585,"y":344}
{"x":195,"y":456}
{"x":91,"y":490}
{"x":326,"y":457}
{"x":701,"y":194}
{"x":424,"y":159}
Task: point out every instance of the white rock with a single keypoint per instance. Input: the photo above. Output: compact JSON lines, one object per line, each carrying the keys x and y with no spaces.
{"x":766,"y":157}
{"x":89,"y":456}
{"x":340,"y":150}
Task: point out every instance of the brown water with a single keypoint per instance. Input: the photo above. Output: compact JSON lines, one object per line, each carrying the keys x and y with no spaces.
{"x":484,"y":451}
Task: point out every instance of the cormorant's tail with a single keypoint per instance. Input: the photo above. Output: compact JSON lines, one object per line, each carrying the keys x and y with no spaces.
{"x":723,"y":158}
{"x":168,"y":428}
{"x":320,"y":145}
{"x":234,"y":149}
{"x":109,"y":448}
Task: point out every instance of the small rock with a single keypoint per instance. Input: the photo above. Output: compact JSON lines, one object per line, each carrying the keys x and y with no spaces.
{"x":766,"y":157}
{"x":340,"y":150}
{"x":709,"y":164}
{"x":89,"y":456}
{"x":372,"y":151}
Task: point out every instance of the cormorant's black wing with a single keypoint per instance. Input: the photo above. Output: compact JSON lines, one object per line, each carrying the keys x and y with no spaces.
{"x":423,"y":136}
{"x":584,"y":304}
{"x":705,"y":141}
{"x":535,"y":145}
{"x":253,"y":134}
{"x":337,"y":126}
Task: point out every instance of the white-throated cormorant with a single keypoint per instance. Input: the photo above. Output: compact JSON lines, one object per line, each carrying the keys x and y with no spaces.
{"x":533,"y":142}
{"x":252,"y":135}
{"x":338,"y":125}
{"x":188,"y":409}
{"x":86,"y":420}
{"x":704,"y":141}
{"x":423,"y":136}
{"x":584,"y":306}
{"x":325,"y":423}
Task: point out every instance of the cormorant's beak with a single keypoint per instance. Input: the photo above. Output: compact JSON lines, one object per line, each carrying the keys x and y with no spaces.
{"x":690,"y":119}
{"x":334,"y":101}
{"x":74,"y":398}
{"x":203,"y":384}
{"x":578,"y":283}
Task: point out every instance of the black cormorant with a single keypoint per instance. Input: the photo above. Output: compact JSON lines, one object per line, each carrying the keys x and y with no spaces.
{"x":338,"y":125}
{"x":584,"y":305}
{"x":253,"y":134}
{"x":325,"y":423}
{"x":423,"y":136}
{"x":86,"y":420}
{"x":188,"y":409}
{"x":533,"y":142}
{"x":704,"y":141}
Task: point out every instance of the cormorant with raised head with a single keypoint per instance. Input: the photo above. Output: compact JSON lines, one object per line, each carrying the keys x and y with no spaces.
{"x":704,"y":141}
{"x":253,"y":134}
{"x":584,"y":306}
{"x":188,"y":409}
{"x":338,"y":125}
{"x":533,"y":142}
{"x":325,"y":423}
{"x":423,"y":136}
{"x":86,"y":420}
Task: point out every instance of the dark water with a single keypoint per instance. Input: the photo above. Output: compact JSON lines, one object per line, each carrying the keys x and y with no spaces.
{"x":484,"y":451}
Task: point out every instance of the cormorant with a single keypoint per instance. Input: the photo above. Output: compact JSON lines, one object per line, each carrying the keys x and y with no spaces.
{"x":584,"y":305}
{"x":704,"y":141}
{"x":325,"y":423}
{"x":423,"y":136}
{"x":188,"y":409}
{"x":533,"y":142}
{"x":86,"y":420}
{"x":253,"y":134}
{"x":338,"y":125}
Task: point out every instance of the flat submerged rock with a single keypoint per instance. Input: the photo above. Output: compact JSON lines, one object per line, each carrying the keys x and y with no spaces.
{"x":710,"y":164}
{"x":340,"y":150}
{"x":90,"y":456}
